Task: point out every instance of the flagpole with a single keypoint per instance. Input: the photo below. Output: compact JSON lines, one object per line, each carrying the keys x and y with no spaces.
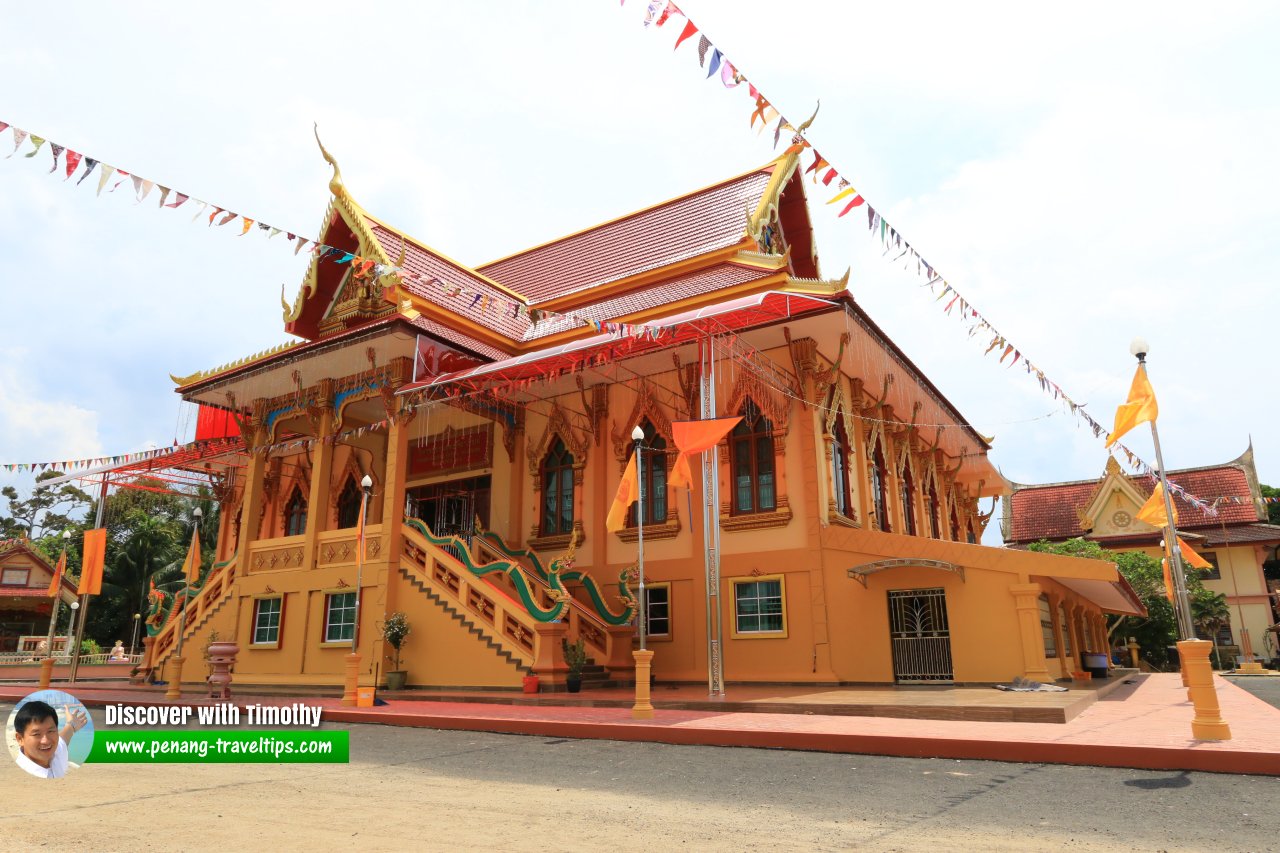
{"x":83,"y":610}
{"x":351,"y":681}
{"x":46,"y":666}
{"x":1186,"y":627}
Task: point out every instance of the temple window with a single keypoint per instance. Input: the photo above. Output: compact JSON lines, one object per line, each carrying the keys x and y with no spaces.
{"x":970,"y":536}
{"x":295,"y":514}
{"x":339,"y":617}
{"x":653,"y":476}
{"x":349,"y":505}
{"x":1046,"y":628}
{"x":933,"y":512}
{"x":879,"y":486}
{"x":955,"y":525}
{"x":657,"y":610}
{"x":1066,"y":630}
{"x":557,"y":490}
{"x":266,"y":621}
{"x":840,"y":456}
{"x":908,"y":491}
{"x":759,"y":606}
{"x":751,"y":455}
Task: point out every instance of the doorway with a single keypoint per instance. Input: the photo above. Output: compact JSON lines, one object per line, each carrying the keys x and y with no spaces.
{"x":450,"y":509}
{"x":921,"y":636}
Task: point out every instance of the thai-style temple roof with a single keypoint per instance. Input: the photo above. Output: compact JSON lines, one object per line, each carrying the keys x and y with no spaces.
{"x":691,"y":225}
{"x":1054,"y":511}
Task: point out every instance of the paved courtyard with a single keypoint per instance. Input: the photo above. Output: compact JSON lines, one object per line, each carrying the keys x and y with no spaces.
{"x":425,"y":789}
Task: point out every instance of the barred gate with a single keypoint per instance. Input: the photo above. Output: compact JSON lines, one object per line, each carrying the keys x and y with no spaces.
{"x":921,"y":637}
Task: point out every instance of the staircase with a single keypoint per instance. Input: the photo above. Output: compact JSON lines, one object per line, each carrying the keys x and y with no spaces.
{"x":213,"y":594}
{"x":461,"y":618}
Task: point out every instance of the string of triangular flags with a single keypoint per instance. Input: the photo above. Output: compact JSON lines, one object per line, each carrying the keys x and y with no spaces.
{"x":660,"y":12}
{"x":71,"y":162}
{"x":67,"y":465}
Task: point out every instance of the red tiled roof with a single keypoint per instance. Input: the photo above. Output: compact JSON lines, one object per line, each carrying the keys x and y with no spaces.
{"x":709,"y":280}
{"x":1242,"y":533}
{"x":700,"y":222}
{"x":1050,"y":512}
{"x":499,"y":317}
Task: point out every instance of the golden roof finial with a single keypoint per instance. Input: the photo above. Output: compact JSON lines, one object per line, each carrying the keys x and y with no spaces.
{"x":335,"y":183}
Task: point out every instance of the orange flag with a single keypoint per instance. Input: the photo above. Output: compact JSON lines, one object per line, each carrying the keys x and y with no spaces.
{"x":1191,"y":557}
{"x":1152,"y":512}
{"x":95,"y":550}
{"x":628,"y":493}
{"x":694,"y":437}
{"x":191,"y":567}
{"x":56,"y":582}
{"x":1168,"y":579}
{"x":1138,"y":409}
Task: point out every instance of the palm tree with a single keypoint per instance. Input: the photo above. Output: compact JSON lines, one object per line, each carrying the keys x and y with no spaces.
{"x":148,"y":554}
{"x":1209,"y":613}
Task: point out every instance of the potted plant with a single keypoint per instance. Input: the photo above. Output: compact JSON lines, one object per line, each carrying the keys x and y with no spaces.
{"x":530,"y":682}
{"x":575,"y":656}
{"x":395,"y":630}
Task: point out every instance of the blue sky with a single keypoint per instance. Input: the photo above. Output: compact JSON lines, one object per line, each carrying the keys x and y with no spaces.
{"x":1082,"y":175}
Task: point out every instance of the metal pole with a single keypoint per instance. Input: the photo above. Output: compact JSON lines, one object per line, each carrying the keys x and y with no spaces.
{"x":715,"y":532}
{"x":57,"y":600}
{"x":1186,"y":628}
{"x":366,"y":486}
{"x":644,"y":609}
{"x":133,"y":644}
{"x":84,"y":604}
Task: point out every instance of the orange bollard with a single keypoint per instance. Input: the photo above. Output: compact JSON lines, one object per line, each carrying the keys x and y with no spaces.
{"x":643,"y":708}
{"x":1207,"y":723}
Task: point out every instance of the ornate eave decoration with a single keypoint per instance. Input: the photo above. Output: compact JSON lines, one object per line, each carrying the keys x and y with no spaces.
{"x":201,"y":375}
{"x":646,"y":406}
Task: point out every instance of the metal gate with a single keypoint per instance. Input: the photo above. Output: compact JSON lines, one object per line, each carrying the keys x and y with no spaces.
{"x":921,"y":637}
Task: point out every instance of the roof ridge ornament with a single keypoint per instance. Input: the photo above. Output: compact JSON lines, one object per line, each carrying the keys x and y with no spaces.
{"x":335,"y":183}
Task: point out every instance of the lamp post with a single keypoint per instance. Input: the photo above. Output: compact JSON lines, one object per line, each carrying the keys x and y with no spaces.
{"x":1186,"y":628}
{"x":46,"y":665}
{"x":176,"y":662}
{"x":353,"y":660}
{"x":643,"y":707}
{"x":1193,"y":654}
{"x":134,"y":642}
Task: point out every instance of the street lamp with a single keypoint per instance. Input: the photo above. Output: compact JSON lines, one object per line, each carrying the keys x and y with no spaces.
{"x":637,"y":435}
{"x":134,"y":642}
{"x":175,"y":663}
{"x":352,"y":682}
{"x":1186,"y":627}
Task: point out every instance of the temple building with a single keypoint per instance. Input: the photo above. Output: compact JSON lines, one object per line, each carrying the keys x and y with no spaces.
{"x":831,"y":537}
{"x":1237,"y":540}
{"x":25,"y":605}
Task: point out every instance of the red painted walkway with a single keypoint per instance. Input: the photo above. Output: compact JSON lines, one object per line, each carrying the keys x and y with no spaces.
{"x":1143,"y":725}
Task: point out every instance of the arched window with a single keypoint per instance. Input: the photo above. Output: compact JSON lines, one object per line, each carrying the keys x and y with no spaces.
{"x":955,"y":525}
{"x":557,"y":490}
{"x":840,"y":457}
{"x":751,"y":456}
{"x":971,"y":537}
{"x":879,"y":485}
{"x":349,"y":505}
{"x":653,"y":476}
{"x":933,"y":511}
{"x":908,"y":492}
{"x":295,"y":514}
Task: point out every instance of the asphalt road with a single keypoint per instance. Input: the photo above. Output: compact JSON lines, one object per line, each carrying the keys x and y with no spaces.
{"x":1266,"y":688}
{"x":422,"y":789}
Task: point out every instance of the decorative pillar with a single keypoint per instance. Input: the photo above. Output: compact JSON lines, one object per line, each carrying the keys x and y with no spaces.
{"x":174,"y":677}
{"x":396,"y":471}
{"x":1026,"y":598}
{"x":1069,"y":662}
{"x":1077,"y":628}
{"x":548,"y":661}
{"x":1207,"y":723}
{"x":1133,"y":652}
{"x":643,"y":707}
{"x":251,"y":505}
{"x":621,"y":665}
{"x":46,"y":672}
{"x":322,"y":419}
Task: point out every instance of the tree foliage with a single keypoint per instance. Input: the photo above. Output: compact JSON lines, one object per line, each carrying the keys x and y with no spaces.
{"x":1158,"y":631}
{"x":1273,"y":510}
{"x":48,"y":511}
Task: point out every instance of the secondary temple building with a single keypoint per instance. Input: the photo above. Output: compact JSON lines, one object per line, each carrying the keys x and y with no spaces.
{"x":492,"y":408}
{"x":1237,"y":540}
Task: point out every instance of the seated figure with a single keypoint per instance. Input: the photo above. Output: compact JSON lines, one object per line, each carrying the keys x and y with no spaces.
{"x":117,"y":651}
